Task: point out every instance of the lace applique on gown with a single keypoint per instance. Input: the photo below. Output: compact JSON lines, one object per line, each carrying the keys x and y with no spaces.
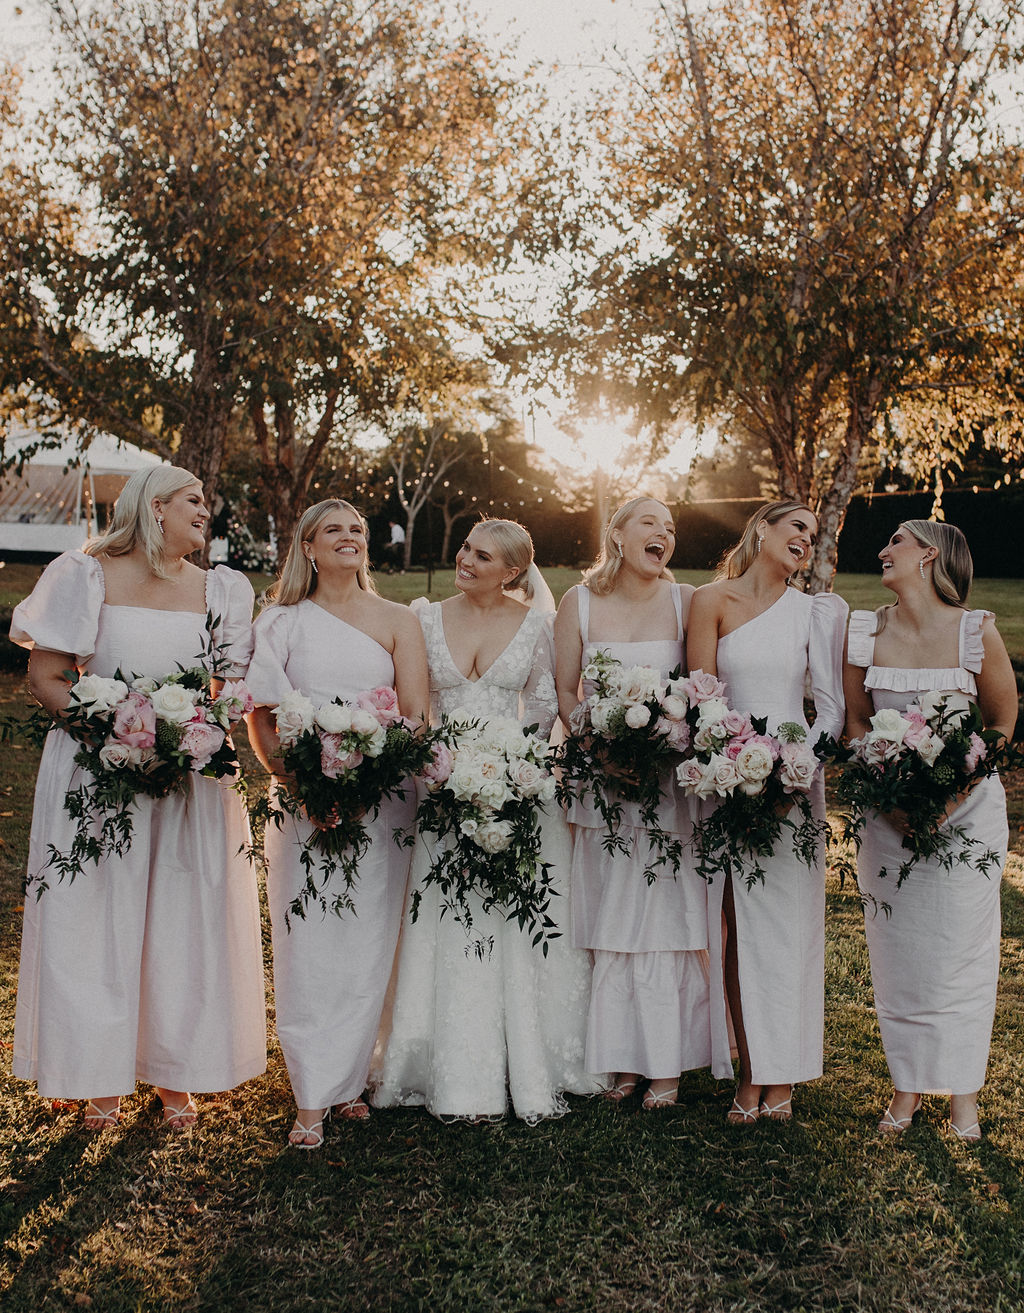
{"x":470,"y":1036}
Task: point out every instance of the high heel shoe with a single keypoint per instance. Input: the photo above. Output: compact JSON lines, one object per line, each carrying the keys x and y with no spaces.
{"x":890,"y":1125}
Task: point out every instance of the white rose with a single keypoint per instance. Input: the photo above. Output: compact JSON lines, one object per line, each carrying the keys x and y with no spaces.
{"x":98,"y":694}
{"x":709,"y":737}
{"x":493,"y":836}
{"x":294,"y":716}
{"x":334,"y":718}
{"x":494,"y":793}
{"x":887,"y":724}
{"x":144,"y":684}
{"x":174,"y":703}
{"x":637,"y":716}
{"x":547,"y":789}
{"x":712,"y":711}
{"x":929,"y":749}
{"x":527,"y":778}
{"x":724,"y":774}
{"x":754,"y":762}
{"x":638,"y":684}
{"x":115,"y":755}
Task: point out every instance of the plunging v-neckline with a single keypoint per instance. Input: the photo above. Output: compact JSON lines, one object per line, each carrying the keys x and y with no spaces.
{"x":484,"y":673}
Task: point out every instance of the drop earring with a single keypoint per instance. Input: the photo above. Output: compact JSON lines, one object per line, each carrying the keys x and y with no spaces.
{"x":618,"y":548}
{"x":920,"y":566}
{"x":313,"y":564}
{"x":760,"y":541}
{"x":160,"y":523}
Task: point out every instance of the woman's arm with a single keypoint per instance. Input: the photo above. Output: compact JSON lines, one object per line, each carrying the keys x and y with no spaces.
{"x":997,"y":685}
{"x":47,"y":681}
{"x":702,"y":630}
{"x":412,"y":681}
{"x":568,"y":655}
{"x":859,"y":707}
{"x":264,"y":740}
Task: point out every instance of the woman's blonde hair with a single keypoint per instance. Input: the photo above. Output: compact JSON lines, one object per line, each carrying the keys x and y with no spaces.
{"x":738,"y":560}
{"x":134,"y":523}
{"x":601,"y":576}
{"x":952,"y":568}
{"x":297,"y":579}
{"x":515,"y":546}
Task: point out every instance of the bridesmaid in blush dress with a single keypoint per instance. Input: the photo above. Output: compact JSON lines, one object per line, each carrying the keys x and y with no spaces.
{"x":329,"y":634}
{"x":766,"y":640}
{"x":935,"y":957}
{"x":649,"y":1014}
{"x":147,"y":967}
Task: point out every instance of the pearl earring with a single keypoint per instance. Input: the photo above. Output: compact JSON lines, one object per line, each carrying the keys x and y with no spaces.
{"x":618,"y":548}
{"x":313,"y":564}
{"x":760,"y":541}
{"x":160,"y":523}
{"x":920,"y":566}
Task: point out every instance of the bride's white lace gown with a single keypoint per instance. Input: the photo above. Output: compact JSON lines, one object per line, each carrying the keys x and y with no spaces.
{"x":471,"y":1034}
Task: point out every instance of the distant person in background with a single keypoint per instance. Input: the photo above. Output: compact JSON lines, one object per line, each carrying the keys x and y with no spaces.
{"x":394,"y":553}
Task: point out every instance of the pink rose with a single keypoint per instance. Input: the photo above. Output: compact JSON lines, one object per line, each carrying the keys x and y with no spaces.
{"x":700,"y":686}
{"x":737,"y":726}
{"x":439,"y":767}
{"x":689,"y":774}
{"x":200,"y":741}
{"x":334,"y":761}
{"x":236,"y":693}
{"x":135,"y":722}
{"x":918,"y":730}
{"x":976,"y":753}
{"x":797,"y":767}
{"x":383,"y":702}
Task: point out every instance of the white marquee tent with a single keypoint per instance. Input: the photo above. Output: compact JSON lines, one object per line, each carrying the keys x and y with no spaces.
{"x":64,"y":494}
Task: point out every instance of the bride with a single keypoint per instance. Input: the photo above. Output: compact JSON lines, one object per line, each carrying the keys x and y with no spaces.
{"x":470,"y":1033}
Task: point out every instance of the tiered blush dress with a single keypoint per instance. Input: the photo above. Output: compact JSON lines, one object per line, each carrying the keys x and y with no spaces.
{"x":471,"y":1033}
{"x":649,"y":1010}
{"x":148,"y":967}
{"x":330,"y":972}
{"x":767,"y":665}
{"x":935,"y":957}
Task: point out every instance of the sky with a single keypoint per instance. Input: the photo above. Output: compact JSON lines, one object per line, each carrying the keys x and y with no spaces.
{"x":568,"y":41}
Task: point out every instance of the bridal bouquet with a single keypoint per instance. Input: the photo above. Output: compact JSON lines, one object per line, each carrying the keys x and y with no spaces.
{"x":916,"y":762}
{"x":758,"y":777}
{"x":484,"y":789}
{"x":140,"y":736}
{"x":631,"y":726}
{"x":342,"y":760}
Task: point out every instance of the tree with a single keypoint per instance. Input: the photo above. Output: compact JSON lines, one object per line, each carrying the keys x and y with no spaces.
{"x":822,"y":233}
{"x":283,"y":204}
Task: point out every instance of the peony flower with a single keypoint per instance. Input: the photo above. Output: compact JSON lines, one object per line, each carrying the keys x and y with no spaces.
{"x":673,"y":707}
{"x":754,"y":761}
{"x":135,"y":722}
{"x":439,"y":767}
{"x":493,"y":836}
{"x":637,"y":716}
{"x":602,"y":714}
{"x":334,"y":759}
{"x":295,"y":716}
{"x":335,"y":718}
{"x":174,"y":703}
{"x":97,"y":694}
{"x":200,"y":741}
{"x":383,"y":703}
{"x":236,"y":698}
{"x":676,"y":733}
{"x":976,"y":753}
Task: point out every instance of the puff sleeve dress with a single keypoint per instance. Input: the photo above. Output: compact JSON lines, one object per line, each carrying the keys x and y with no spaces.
{"x":767,"y":665}
{"x":935,"y":957}
{"x":148,"y":967}
{"x":330,"y":972}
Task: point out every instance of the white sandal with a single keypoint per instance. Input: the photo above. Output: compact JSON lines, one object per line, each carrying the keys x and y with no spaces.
{"x":317,"y":1130}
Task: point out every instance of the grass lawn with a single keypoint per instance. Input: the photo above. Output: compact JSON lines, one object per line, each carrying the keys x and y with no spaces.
{"x":608,"y":1208}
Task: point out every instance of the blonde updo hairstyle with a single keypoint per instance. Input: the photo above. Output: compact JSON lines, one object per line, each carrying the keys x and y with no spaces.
{"x":952,"y":567}
{"x":738,"y":560}
{"x":297,"y":579}
{"x":134,"y":523}
{"x":514,"y":545}
{"x":601,"y":576}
